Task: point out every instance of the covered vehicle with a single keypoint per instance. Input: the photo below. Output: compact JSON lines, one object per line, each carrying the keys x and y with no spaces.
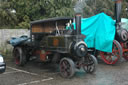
{"x":100,"y":32}
{"x":108,"y":36}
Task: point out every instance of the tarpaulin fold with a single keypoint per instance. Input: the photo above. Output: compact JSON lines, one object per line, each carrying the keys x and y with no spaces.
{"x":99,"y":31}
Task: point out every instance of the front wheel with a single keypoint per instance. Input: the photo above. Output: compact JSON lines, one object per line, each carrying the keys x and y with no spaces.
{"x":19,"y":56}
{"x":90,"y":64}
{"x":67,"y":68}
{"x":125,"y":50}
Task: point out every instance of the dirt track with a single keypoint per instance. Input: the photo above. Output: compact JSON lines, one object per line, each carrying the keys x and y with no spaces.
{"x":47,"y":74}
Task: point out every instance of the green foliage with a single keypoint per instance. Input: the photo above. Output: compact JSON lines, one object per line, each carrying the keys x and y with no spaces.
{"x":30,"y":10}
{"x":6,"y":16}
{"x":107,"y":6}
{"x":24,"y":23}
{"x":57,"y":8}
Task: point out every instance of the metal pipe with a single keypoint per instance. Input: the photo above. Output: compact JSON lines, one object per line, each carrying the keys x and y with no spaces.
{"x":78,"y":24}
{"x":118,"y":4}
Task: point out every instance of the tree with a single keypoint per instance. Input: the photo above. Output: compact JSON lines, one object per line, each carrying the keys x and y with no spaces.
{"x":57,"y":8}
{"x":6,"y":16}
{"x":29,"y":10}
{"x":107,"y":6}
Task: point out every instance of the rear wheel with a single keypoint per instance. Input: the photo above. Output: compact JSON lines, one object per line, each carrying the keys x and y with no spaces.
{"x":19,"y":56}
{"x":67,"y":68}
{"x":112,"y":58}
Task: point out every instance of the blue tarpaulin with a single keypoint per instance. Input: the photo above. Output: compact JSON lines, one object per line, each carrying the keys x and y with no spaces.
{"x":16,"y":41}
{"x":99,"y":31}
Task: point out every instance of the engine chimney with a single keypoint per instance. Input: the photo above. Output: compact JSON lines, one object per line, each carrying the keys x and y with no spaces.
{"x":78,"y":24}
{"x":118,"y":11}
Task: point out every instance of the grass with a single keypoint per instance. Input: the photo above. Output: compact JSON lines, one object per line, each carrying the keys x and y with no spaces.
{"x":7,"y":54}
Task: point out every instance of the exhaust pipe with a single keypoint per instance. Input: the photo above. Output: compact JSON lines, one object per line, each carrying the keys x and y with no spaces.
{"x":78,"y":24}
{"x":118,"y":4}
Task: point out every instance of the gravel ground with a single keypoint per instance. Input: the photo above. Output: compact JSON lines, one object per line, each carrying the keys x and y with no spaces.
{"x":48,"y":74}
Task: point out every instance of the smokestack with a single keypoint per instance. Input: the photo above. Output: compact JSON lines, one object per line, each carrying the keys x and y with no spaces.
{"x":78,"y":24}
{"x":118,"y":4}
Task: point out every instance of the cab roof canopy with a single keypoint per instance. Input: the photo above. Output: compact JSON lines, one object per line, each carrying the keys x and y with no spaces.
{"x":49,"y":25}
{"x":56,"y":19}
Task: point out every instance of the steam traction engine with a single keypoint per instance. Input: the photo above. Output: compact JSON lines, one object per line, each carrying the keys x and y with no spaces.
{"x":120,"y":44}
{"x":50,"y":41}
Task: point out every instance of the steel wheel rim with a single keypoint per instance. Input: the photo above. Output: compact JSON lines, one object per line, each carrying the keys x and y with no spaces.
{"x":65,"y":67}
{"x":17,"y":56}
{"x":90,"y":66}
{"x":111,"y":58}
{"x":125,"y":53}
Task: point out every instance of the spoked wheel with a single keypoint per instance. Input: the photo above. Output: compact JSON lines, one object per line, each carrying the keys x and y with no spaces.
{"x":90,"y":64}
{"x":125,"y":55}
{"x":20,"y":58}
{"x":125,"y":50}
{"x":112,"y":58}
{"x":67,"y":68}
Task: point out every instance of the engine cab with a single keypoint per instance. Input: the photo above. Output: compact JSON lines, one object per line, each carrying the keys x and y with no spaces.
{"x":52,"y":35}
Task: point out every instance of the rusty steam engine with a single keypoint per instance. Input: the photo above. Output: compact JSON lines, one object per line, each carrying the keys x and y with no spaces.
{"x":50,"y":41}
